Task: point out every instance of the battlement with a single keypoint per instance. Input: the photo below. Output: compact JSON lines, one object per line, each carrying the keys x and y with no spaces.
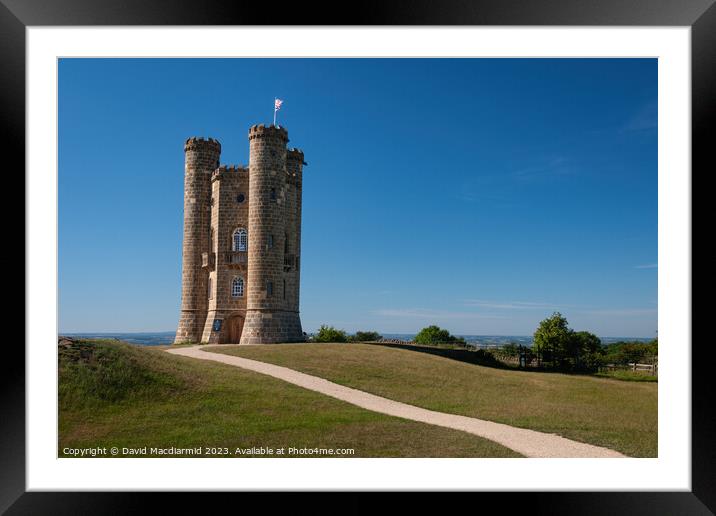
{"x":295,"y":155}
{"x":268,"y":131}
{"x":228,"y":169}
{"x":200,"y":143}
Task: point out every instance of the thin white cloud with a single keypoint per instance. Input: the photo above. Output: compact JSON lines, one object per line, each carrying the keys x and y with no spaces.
{"x":556,"y":166}
{"x":426,"y":313}
{"x":467,"y":195}
{"x":645,"y":119}
{"x":510,"y":305}
{"x":620,"y":312}
{"x":647,"y":266}
{"x":572,"y":309}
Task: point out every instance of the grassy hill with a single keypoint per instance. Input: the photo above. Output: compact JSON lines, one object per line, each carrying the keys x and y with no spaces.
{"x":605,"y":412}
{"x":114,"y":394}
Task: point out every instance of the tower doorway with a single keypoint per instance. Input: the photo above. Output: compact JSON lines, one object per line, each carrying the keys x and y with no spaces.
{"x":234,"y":327}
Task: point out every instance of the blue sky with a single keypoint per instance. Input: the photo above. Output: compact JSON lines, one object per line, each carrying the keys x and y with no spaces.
{"x":477,"y":194}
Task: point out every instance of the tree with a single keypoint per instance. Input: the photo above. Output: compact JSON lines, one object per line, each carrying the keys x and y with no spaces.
{"x":436,"y":335}
{"x":330,"y":334}
{"x":552,"y":338}
{"x":585,"y":351}
{"x":565,"y":348}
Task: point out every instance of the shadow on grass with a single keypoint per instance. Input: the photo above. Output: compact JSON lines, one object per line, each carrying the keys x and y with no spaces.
{"x":477,"y":357}
{"x":485,"y":358}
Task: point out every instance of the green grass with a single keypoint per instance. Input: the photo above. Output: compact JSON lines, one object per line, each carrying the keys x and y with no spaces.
{"x":627,"y":376}
{"x":605,"y":412}
{"x":115,"y":394}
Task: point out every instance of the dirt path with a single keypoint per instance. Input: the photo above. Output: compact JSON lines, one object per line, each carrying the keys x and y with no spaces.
{"x":529,"y":443}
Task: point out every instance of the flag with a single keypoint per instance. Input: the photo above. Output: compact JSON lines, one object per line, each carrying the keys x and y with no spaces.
{"x":277,"y":104}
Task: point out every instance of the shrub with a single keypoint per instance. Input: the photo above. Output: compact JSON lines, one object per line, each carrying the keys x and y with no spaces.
{"x":366,"y":336}
{"x":627,"y":352}
{"x":585,"y":352}
{"x":511,"y":349}
{"x":330,"y":334}
{"x":436,"y":335}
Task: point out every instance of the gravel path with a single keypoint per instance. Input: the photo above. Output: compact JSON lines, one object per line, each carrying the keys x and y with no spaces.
{"x":529,"y":443}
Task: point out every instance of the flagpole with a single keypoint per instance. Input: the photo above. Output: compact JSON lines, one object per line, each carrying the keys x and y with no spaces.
{"x":274,"y":112}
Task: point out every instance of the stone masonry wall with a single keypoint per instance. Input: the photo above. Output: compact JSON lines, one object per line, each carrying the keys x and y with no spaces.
{"x":201,"y":158}
{"x":229,"y":212}
{"x":267,"y":319}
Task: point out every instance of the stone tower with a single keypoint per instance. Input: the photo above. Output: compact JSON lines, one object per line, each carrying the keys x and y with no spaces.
{"x":241,"y":262}
{"x":201,"y":157}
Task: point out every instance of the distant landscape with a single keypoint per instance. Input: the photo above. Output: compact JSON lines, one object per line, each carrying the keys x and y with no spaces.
{"x":167,"y":337}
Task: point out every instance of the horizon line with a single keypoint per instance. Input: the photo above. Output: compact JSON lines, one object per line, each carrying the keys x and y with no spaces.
{"x":69,"y":333}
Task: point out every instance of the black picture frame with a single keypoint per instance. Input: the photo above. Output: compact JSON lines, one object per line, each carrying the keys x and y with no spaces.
{"x":700,"y":15}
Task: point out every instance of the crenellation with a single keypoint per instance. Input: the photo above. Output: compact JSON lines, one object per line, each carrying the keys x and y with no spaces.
{"x":222,"y":170}
{"x":202,"y":143}
{"x":270,"y":131}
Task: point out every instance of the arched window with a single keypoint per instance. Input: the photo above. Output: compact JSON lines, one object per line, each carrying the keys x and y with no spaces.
{"x":209,"y":288}
{"x":239,"y":240}
{"x":237,"y":287}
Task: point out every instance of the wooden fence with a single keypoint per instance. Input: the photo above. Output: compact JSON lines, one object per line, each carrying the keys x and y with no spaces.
{"x":652,"y":369}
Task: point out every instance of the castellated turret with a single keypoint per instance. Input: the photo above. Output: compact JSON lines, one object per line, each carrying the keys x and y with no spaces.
{"x":201,"y":157}
{"x":242,"y":243}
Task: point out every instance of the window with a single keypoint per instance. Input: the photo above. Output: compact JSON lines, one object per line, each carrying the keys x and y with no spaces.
{"x":240,"y":198}
{"x":284,"y":289}
{"x":285,"y":243}
{"x":239,"y":240}
{"x":237,"y":287}
{"x":269,"y":288}
{"x":270,"y":241}
{"x":209,"y":288}
{"x":273,"y":194}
